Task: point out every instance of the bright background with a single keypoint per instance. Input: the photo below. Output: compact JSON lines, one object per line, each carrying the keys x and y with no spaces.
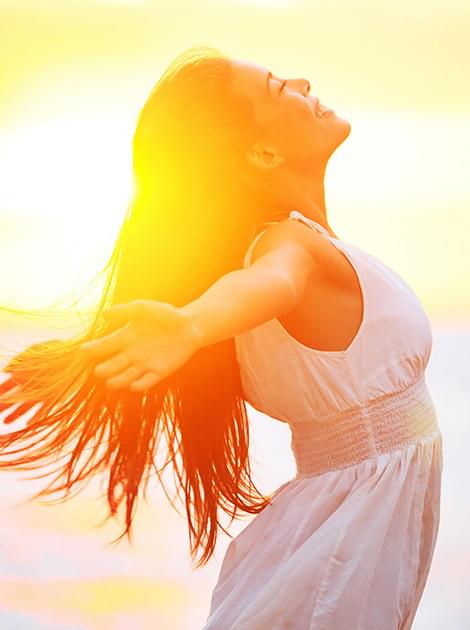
{"x":73,"y":77}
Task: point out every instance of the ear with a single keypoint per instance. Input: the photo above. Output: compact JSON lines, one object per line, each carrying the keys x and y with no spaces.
{"x":264,"y":157}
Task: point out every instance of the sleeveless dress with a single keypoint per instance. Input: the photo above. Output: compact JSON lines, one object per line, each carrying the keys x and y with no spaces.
{"x":347,"y":543}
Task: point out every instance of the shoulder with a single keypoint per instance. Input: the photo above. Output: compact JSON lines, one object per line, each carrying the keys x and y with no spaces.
{"x":287,"y":234}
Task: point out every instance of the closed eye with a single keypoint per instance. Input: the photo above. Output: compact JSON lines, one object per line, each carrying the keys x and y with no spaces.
{"x":283,"y":85}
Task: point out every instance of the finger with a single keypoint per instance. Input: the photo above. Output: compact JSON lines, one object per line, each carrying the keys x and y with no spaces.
{"x":124,"y":379}
{"x":145,"y":382}
{"x":106,"y":344}
{"x":19,"y":411}
{"x":113,"y":367}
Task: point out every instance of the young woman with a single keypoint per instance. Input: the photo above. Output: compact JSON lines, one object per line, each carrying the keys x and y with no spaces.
{"x":228,"y":285}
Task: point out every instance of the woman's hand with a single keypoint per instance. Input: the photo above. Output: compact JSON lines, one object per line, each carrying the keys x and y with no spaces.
{"x":156,"y":339}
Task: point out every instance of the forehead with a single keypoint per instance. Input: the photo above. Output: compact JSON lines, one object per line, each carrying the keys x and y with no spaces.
{"x":250,"y":78}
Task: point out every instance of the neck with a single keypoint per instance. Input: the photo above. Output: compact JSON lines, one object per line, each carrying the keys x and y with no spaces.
{"x":304,"y":193}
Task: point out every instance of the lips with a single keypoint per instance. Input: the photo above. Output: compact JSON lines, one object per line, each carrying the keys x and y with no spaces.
{"x":319,"y":109}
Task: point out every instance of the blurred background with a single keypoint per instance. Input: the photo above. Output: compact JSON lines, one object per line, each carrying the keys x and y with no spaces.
{"x":73,"y":77}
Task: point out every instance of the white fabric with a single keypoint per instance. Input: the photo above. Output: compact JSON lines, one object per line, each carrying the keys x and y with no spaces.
{"x":347,"y":544}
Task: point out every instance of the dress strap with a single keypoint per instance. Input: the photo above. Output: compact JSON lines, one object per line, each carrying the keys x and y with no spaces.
{"x":247,"y":258}
{"x":295,"y":214}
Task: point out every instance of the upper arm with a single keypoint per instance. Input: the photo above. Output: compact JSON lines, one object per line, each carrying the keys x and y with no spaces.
{"x":286,"y":249}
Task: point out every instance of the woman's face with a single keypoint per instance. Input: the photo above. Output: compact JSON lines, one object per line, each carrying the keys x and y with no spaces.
{"x":292,"y":127}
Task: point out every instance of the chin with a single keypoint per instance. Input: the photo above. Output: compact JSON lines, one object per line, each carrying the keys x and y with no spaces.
{"x":342,"y":129}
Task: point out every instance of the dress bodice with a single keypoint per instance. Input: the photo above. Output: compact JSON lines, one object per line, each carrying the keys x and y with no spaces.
{"x":297,"y":384}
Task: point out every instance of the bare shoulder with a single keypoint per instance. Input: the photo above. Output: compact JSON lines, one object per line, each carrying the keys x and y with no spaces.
{"x":288,"y":233}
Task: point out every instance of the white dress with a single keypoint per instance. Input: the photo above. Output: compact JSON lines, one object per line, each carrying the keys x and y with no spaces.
{"x":347,"y":543}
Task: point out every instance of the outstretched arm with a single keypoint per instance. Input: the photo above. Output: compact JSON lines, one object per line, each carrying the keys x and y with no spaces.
{"x":245,"y":298}
{"x":157,"y":338}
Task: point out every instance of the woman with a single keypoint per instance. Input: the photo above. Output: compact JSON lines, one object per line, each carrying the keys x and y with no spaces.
{"x":227,"y":285}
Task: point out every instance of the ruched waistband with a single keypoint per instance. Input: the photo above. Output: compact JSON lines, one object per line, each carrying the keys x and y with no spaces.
{"x":379,"y":425}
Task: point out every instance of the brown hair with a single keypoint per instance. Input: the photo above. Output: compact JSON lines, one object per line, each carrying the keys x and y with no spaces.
{"x":189,"y":222}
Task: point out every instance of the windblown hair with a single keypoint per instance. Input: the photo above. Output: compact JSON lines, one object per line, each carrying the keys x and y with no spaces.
{"x":190,"y":220}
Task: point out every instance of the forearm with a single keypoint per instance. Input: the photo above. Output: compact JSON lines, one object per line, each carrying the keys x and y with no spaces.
{"x":239,"y":301}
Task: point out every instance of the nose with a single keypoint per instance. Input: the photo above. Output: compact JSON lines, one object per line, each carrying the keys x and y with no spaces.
{"x":302,"y":84}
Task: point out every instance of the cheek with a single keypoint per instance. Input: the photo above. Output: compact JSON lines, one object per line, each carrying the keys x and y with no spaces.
{"x":307,"y":121}
{"x":308,"y":129}
{"x":301,"y":131}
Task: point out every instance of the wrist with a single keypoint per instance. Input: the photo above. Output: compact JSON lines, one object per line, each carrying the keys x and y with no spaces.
{"x":195,"y":325}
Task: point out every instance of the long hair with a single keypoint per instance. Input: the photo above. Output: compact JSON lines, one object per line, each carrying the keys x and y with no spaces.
{"x":191,"y":218}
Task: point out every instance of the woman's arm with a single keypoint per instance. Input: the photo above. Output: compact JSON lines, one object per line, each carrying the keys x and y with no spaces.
{"x":156,"y":338}
{"x":245,"y":298}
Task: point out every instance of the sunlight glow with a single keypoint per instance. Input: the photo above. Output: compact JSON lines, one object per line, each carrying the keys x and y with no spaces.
{"x":72,"y":177}
{"x":398,"y":187}
{"x":265,"y":4}
{"x":69,"y":165}
{"x":74,"y":76}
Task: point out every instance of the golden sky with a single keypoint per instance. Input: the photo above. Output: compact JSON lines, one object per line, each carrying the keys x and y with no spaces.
{"x":75,"y":74}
